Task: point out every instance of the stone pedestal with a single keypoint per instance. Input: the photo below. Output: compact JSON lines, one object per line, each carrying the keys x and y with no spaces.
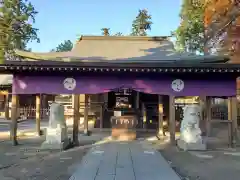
{"x":56,"y":138}
{"x":86,"y":132}
{"x":191,"y":146}
{"x":124,"y":128}
{"x":56,"y":132}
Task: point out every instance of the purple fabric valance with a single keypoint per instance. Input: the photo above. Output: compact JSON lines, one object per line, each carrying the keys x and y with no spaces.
{"x":100,"y":84}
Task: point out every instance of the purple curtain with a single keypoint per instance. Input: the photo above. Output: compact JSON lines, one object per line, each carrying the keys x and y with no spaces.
{"x":100,"y":84}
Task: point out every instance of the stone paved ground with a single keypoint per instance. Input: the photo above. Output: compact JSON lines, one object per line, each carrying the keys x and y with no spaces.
{"x":134,"y":160}
{"x":221,"y":164}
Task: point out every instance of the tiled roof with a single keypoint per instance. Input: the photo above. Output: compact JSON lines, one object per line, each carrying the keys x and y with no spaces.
{"x":125,"y":48}
{"x":113,"y":48}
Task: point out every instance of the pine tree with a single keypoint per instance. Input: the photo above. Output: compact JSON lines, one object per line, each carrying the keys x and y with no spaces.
{"x":142,"y":23}
{"x":67,"y":45}
{"x":15,"y":29}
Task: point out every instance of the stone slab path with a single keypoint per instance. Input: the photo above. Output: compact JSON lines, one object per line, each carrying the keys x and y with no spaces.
{"x":128,"y":161}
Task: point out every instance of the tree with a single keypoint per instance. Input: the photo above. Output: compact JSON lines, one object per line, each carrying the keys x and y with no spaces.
{"x":222,"y":26}
{"x":190,"y":33}
{"x":16,"y":31}
{"x":15,"y":27}
{"x":67,"y":45}
{"x":208,"y":26}
{"x":142,"y":23}
{"x":118,"y":34}
{"x":105,"y":31}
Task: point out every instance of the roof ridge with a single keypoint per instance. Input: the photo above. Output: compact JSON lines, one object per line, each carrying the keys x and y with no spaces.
{"x":126,"y":38}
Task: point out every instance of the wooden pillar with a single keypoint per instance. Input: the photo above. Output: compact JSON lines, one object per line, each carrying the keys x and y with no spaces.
{"x":208,"y":116}
{"x":101,"y":116}
{"x":44,"y":103}
{"x":232,"y":116}
{"x":203,"y":120}
{"x":38,"y":115}
{"x":160,"y":117}
{"x":105,"y":98}
{"x":105,"y":115}
{"x":230,"y":126}
{"x":6,"y":108}
{"x":14,"y":118}
{"x":144,"y":115}
{"x":172,"y":123}
{"x":137,"y":100}
{"x":234,"y":119}
{"x":86,"y":114}
{"x":76,"y":118}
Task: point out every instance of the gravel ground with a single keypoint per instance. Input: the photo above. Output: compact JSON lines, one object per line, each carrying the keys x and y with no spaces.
{"x":207,"y":165}
{"x":28,"y":162}
{"x":58,"y":166}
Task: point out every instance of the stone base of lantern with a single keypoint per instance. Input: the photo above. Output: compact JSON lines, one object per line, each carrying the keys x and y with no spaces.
{"x":123,"y":134}
{"x":56,"y":138}
{"x":191,"y":146}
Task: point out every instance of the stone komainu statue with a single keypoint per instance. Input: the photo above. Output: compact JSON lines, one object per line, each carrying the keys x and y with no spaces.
{"x":56,"y":116}
{"x":190,"y":131}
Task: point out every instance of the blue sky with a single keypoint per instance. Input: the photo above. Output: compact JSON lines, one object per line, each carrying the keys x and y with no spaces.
{"x":60,"y":20}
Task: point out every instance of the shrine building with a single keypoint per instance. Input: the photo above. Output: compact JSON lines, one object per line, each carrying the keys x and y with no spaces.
{"x":110,"y":76}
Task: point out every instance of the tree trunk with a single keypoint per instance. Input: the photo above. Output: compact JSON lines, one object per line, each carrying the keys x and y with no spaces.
{"x":15,"y":98}
{"x":14,"y":117}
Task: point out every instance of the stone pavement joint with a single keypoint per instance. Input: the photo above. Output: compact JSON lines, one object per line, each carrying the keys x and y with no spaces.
{"x":130,"y":161}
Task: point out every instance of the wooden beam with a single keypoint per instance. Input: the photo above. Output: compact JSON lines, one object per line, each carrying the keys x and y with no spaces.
{"x":38,"y":114}
{"x":172,"y":121}
{"x":14,"y":118}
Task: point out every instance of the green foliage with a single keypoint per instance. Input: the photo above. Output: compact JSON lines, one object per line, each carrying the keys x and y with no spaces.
{"x":142,"y":23}
{"x":15,"y":27}
{"x":190,"y":33}
{"x":67,"y":45}
{"x":105,"y":31}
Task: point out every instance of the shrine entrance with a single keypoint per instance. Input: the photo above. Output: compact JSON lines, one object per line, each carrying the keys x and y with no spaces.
{"x":130,"y":111}
{"x":124,"y":111}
